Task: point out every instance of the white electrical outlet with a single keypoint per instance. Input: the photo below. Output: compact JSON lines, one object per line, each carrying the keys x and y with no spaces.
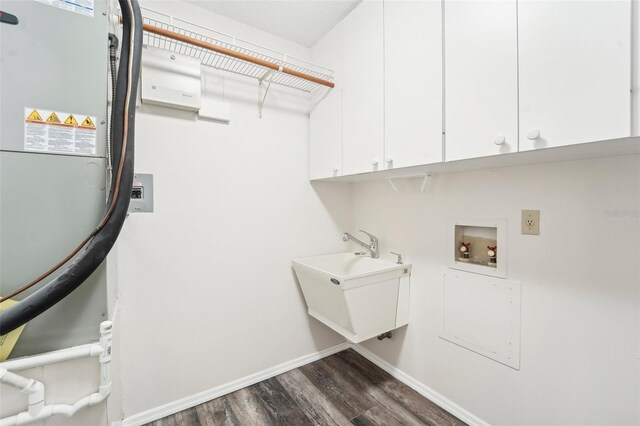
{"x":531,"y":222}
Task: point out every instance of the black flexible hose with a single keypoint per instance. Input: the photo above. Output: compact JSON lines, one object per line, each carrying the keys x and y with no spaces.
{"x":98,"y":248}
{"x":113,"y":48}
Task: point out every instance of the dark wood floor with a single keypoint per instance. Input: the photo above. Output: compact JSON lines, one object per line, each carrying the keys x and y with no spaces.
{"x":343,"y":389}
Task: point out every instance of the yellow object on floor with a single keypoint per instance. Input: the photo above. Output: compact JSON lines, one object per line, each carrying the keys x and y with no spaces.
{"x":8,"y":341}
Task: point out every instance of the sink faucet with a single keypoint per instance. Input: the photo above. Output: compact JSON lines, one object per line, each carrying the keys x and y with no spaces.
{"x":372,"y":247}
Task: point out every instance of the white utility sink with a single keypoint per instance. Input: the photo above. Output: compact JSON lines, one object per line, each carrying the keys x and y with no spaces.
{"x":357,"y":296}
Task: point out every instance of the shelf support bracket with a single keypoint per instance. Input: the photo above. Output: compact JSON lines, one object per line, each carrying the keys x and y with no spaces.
{"x":392,"y":182}
{"x":426,"y":181}
{"x":268,"y":78}
{"x":319,"y":96}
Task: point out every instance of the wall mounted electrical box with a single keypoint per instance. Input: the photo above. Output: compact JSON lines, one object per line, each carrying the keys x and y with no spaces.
{"x":141,"y":194}
{"x":478,"y":245}
{"x":170,"y":80}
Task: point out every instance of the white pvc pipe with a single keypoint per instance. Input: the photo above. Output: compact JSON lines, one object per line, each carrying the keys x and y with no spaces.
{"x":36,"y":390}
{"x":49,"y":410}
{"x":31,"y":387}
{"x":82,"y":351}
{"x":14,"y":380}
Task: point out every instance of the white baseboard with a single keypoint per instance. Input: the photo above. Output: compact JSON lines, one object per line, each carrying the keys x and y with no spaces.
{"x":421,"y":388}
{"x":202,"y":397}
{"x":199,"y":398}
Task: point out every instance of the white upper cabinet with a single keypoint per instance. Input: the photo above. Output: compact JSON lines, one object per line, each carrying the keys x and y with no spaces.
{"x":518,"y":75}
{"x":481,"y":78}
{"x":362,"y":86}
{"x":575,"y":62}
{"x":325,"y":135}
{"x":413,"y":83}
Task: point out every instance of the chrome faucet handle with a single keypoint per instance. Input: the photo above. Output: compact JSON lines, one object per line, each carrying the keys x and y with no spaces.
{"x":373,"y":238}
{"x":399,"y":262}
{"x":373,"y":246}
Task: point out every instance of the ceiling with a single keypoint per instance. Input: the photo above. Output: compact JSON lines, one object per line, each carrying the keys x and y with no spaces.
{"x":301,"y":21}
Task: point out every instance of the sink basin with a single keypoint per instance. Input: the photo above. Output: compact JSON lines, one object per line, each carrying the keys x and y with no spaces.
{"x":350,"y":269}
{"x":357,"y":296}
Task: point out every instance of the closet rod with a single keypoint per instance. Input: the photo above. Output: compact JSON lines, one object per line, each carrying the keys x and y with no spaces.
{"x":222,"y":50}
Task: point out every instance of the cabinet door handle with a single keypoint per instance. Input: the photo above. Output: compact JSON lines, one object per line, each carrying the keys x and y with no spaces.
{"x":389,"y":162}
{"x":499,"y":140}
{"x":533,"y":134}
{"x":335,"y":171}
{"x":374,"y":163}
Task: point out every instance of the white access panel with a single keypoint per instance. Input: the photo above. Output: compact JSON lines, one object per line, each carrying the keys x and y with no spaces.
{"x":413,"y":83}
{"x":363,"y":89}
{"x":325,"y":137}
{"x":170,"y":80}
{"x":575,"y":64}
{"x":482,"y":314}
{"x":481,"y":78}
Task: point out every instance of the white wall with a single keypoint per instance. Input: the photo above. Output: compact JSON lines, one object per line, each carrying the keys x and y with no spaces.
{"x":207,"y":293}
{"x":580,"y":339}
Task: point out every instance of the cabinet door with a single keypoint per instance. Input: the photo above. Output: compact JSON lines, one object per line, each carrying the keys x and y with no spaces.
{"x":363,"y":89}
{"x":481,"y":78}
{"x":574,"y":71}
{"x":413,"y":83}
{"x":325,"y":137}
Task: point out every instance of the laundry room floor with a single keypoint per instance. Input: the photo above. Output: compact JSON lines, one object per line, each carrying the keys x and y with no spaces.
{"x":342,"y":389}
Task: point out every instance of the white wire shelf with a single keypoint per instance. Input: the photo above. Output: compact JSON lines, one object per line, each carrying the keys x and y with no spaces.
{"x":217,"y":50}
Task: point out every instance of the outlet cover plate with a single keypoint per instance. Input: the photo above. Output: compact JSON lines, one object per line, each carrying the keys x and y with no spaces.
{"x":531,"y":222}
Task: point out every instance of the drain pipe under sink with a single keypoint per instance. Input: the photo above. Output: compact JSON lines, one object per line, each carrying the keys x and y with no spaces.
{"x":386,"y":335}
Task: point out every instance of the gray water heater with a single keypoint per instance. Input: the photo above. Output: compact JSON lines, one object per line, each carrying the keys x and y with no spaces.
{"x":53,"y":134}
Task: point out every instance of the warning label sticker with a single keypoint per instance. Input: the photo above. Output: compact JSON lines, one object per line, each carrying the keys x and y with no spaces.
{"x":88,"y":122}
{"x":53,"y":118}
{"x":35,"y":116}
{"x":53,"y":135}
{"x":83,"y":7}
{"x":71,"y":120}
